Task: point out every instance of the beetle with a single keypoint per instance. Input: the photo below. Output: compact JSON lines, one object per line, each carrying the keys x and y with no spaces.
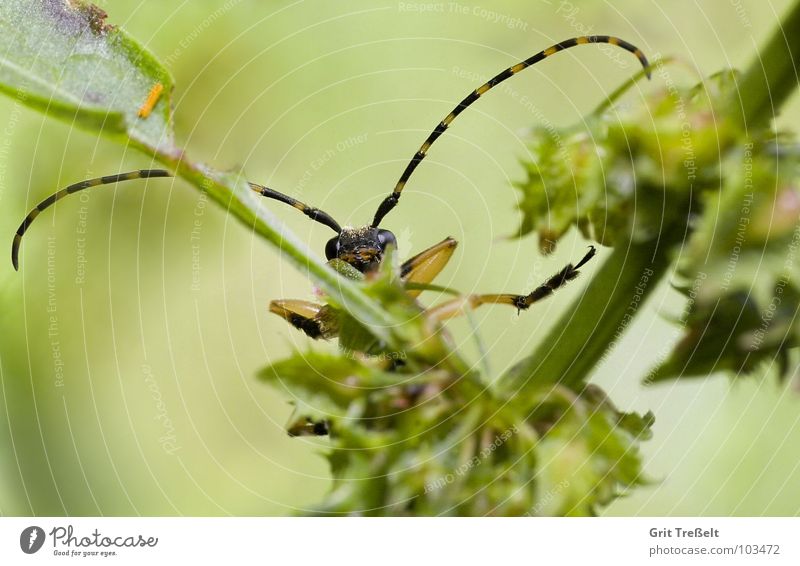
{"x":363,"y":248}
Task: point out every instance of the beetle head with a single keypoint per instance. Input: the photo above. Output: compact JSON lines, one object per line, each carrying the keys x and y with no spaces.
{"x":362,"y":248}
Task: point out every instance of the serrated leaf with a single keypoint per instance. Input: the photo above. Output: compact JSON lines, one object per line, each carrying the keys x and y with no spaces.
{"x":589,"y":455}
{"x":627,"y":174}
{"x":736,"y":335}
{"x":341,"y":378}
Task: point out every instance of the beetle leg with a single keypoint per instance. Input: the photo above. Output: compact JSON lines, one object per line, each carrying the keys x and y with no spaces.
{"x":306,"y":316}
{"x":461,"y":305}
{"x":426,"y":265}
{"x":306,"y":426}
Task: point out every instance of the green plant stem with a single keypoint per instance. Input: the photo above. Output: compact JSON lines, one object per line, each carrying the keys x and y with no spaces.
{"x":580,"y":339}
{"x":614,"y":97}
{"x":773,"y":74}
{"x":242,"y":204}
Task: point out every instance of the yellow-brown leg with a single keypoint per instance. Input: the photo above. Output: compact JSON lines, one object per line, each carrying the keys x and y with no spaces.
{"x":313,"y":319}
{"x":461,"y":305}
{"x":426,"y":265}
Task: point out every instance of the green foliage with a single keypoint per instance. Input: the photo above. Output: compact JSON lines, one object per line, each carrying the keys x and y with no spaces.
{"x":678,"y":169}
{"x":415,"y":430}
{"x":740,"y":270}
{"x":624,"y":174}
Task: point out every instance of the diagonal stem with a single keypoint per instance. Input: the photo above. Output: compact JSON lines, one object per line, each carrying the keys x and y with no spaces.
{"x":773,"y":75}
{"x":583,"y":335}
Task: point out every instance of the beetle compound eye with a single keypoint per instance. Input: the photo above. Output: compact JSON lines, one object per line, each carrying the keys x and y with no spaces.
{"x":386,"y":238}
{"x":332,"y":248}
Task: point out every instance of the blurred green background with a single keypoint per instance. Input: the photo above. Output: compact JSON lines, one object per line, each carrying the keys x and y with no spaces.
{"x":128,"y":380}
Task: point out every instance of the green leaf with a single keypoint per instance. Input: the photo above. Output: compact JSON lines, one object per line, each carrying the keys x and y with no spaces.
{"x":341,"y":379}
{"x":737,"y":335}
{"x":590,"y":455}
{"x":61,"y":57}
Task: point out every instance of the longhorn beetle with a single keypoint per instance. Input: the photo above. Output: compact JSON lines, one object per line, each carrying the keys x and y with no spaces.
{"x":363,"y":248}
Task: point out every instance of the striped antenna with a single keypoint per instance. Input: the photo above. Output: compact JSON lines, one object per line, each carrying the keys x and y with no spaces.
{"x":391,"y":201}
{"x":313,"y":213}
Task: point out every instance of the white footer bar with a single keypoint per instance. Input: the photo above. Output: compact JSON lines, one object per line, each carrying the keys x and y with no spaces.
{"x":389,"y":542}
